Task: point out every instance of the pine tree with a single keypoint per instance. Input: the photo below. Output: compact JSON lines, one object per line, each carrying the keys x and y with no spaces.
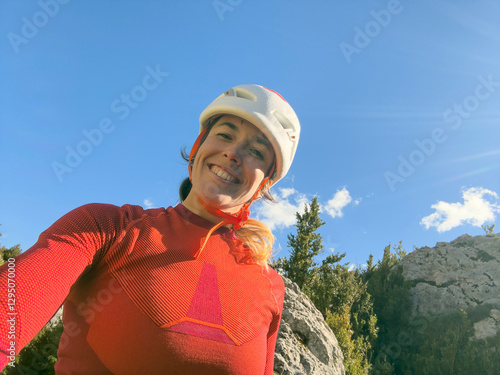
{"x":392,"y":306}
{"x":300,"y":267}
{"x":7,"y":253}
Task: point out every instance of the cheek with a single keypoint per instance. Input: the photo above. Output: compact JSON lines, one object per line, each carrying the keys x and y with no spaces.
{"x":201,"y":156}
{"x":256,"y":175}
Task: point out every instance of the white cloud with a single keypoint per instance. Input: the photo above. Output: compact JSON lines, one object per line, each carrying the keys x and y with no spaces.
{"x":286,"y":192}
{"x":335,"y":205}
{"x":290,"y":201}
{"x":148,"y":204}
{"x":475,"y":210}
{"x":281,"y":214}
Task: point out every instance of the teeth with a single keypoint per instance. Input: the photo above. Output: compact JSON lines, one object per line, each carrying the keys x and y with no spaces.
{"x":219,"y":172}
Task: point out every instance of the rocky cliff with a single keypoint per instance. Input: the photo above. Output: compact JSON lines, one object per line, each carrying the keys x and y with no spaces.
{"x":462,"y":274}
{"x":305,"y":345}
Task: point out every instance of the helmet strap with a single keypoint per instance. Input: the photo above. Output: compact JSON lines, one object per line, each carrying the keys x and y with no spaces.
{"x":194,"y":150}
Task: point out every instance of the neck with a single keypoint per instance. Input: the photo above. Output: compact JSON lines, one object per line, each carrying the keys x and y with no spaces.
{"x":194,"y":205}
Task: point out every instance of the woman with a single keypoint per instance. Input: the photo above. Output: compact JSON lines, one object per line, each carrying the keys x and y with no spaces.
{"x":182,"y":290}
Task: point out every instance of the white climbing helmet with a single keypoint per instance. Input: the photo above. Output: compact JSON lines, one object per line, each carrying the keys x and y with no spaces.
{"x":265,"y":109}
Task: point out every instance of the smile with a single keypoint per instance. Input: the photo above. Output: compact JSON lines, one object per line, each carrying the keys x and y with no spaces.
{"x":223,"y":174}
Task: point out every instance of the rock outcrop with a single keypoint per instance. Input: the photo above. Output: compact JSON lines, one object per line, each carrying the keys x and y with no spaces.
{"x":462,"y":274}
{"x":305,"y":345}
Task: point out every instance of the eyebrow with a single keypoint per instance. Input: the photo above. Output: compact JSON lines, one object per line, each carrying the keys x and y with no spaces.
{"x":229,"y":124}
{"x":261,"y":140}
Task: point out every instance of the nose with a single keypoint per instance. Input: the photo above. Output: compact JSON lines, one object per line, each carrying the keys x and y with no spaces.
{"x":233,"y":155}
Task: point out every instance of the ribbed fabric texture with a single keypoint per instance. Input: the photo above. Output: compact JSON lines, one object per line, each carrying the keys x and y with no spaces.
{"x":135,"y":284}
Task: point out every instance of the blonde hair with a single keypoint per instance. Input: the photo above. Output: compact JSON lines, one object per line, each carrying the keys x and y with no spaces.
{"x":258,"y":238}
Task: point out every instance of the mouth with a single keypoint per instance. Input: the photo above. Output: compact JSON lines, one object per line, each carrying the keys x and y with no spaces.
{"x":224,"y":175}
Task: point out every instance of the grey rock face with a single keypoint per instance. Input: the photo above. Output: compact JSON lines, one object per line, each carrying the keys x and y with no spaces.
{"x":56,"y":319}
{"x":489,"y":326}
{"x":464,"y":273}
{"x":305,"y":345}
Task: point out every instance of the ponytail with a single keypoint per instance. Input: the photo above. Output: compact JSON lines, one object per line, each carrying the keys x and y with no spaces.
{"x":185,"y":189}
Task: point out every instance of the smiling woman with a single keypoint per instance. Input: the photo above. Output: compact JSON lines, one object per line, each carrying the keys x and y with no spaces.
{"x":230,"y":164}
{"x":192,"y":292}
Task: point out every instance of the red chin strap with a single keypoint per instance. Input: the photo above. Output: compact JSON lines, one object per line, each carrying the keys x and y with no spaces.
{"x":239,"y":219}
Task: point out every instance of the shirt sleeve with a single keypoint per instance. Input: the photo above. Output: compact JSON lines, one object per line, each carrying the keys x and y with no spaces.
{"x":35,"y":284}
{"x":278,"y":291}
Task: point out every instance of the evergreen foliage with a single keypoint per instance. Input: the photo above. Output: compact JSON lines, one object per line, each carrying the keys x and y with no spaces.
{"x":445,"y":346}
{"x":40,"y":355}
{"x":341,"y":296}
{"x":355,"y":349}
{"x":391,"y":305}
{"x":6,"y":253}
{"x":489,"y":229}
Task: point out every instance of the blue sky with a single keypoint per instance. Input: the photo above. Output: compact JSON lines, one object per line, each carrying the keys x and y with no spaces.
{"x":398,"y":101}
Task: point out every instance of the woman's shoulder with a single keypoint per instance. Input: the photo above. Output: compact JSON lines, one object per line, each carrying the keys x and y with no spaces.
{"x":275,"y":278}
{"x":129,"y":211}
{"x":277,"y":286}
{"x":96,"y":218}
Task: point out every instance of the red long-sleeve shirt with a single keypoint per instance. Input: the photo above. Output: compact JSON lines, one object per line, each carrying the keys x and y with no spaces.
{"x":136,"y":301}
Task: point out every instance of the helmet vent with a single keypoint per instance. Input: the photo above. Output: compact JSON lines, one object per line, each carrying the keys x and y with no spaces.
{"x":286,"y":124}
{"x":241,"y":93}
{"x":244,"y":94}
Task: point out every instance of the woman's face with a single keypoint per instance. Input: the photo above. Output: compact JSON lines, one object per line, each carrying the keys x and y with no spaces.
{"x":231,"y":163}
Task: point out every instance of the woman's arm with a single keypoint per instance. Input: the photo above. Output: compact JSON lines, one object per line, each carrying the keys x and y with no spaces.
{"x":34,"y":284}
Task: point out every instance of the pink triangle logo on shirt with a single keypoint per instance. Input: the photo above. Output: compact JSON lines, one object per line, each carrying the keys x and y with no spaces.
{"x":204,"y":317}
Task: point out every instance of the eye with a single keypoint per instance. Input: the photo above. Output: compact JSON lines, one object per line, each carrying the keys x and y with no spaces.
{"x":224,"y":136}
{"x":257,"y":153}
